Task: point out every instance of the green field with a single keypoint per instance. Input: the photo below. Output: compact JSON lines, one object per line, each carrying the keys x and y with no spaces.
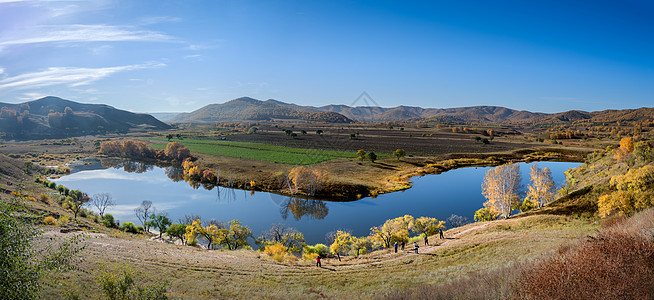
{"x":258,"y":151}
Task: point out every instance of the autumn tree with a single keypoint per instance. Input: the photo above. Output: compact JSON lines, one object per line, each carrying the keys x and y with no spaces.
{"x":235,"y":236}
{"x":485,"y":214}
{"x":76,"y":200}
{"x":102,"y":201}
{"x":399,"y":153}
{"x":626,"y":148}
{"x":308,"y":180}
{"x":176,"y":151}
{"x":143,"y":212}
{"x":541,"y":191}
{"x":632,"y":192}
{"x":361,"y":245}
{"x":501,"y":186}
{"x":281,"y":233}
{"x":427,"y":226}
{"x":211,"y":233}
{"x":392,"y":230}
{"x":160,"y":222}
{"x":342,"y":243}
{"x":361,"y":154}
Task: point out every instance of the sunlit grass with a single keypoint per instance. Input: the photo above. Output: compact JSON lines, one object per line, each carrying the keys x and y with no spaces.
{"x":258,"y":151}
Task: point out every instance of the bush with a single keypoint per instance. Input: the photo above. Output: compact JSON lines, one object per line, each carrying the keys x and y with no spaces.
{"x":49,"y":220}
{"x":319,"y":249}
{"x":117,"y":282}
{"x":617,"y":264}
{"x":129,"y":227}
{"x":44,"y":198}
{"x":277,"y":251}
{"x":108,"y":221}
{"x":63,"y":221}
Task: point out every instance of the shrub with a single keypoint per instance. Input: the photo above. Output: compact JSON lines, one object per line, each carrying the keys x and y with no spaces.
{"x":63,"y":221}
{"x":117,"y":282}
{"x":485,"y":214}
{"x":108,"y":221}
{"x":617,"y":266}
{"x":319,"y":249}
{"x":277,"y":251}
{"x":49,"y":220}
{"x":129,"y":227}
{"x":44,"y":198}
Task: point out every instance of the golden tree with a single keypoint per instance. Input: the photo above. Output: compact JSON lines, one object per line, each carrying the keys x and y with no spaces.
{"x":427,"y":226}
{"x":342,"y":243}
{"x":625,"y":150}
{"x":541,"y":190}
{"x":392,"y":230}
{"x":501,"y":187}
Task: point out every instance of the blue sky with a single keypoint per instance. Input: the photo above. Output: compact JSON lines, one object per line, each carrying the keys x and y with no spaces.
{"x":157,"y":56}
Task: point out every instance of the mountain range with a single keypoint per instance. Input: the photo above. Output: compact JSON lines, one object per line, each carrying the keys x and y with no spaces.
{"x":52,"y":117}
{"x":249,"y":109}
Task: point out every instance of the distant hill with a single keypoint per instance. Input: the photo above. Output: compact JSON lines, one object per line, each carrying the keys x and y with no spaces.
{"x":249,"y":109}
{"x":482,"y":114}
{"x":53,"y":117}
{"x":164,"y":116}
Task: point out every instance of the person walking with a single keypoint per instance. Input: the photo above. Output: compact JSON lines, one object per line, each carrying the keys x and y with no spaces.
{"x":403,"y":243}
{"x":395,"y":247}
{"x":318,"y":262}
{"x":426,"y":240}
{"x":415,"y":246}
{"x":440,"y":231}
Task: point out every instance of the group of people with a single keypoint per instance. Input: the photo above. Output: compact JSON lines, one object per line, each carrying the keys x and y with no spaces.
{"x":415,"y":244}
{"x":402,"y":244}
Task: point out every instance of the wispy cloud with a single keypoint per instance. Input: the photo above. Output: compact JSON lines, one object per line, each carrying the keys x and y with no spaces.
{"x":78,"y":33}
{"x":158,"y":20}
{"x":67,"y":75}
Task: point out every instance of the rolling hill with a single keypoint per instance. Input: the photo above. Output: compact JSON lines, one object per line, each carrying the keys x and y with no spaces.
{"x":53,"y":117}
{"x":248,"y":109}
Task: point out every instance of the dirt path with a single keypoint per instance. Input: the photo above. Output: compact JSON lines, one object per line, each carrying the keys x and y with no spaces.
{"x":408,"y":251}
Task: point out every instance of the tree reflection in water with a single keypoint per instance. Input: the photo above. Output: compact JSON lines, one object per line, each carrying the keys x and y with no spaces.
{"x":299,"y":207}
{"x":128,"y":166}
{"x":174,"y":173}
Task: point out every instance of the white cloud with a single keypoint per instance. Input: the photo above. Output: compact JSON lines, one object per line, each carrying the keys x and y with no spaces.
{"x":78,"y":33}
{"x":2,"y":70}
{"x":67,"y":75}
{"x":32,"y":96}
{"x":158,"y":20}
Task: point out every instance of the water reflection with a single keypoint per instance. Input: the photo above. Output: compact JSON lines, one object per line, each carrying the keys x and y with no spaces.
{"x":299,"y":208}
{"x":127,"y":166}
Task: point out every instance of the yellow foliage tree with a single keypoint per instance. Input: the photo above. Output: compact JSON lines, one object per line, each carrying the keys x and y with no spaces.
{"x":427,"y":226}
{"x":308,"y":180}
{"x":277,"y":251}
{"x":342,"y":243}
{"x":625,"y":150}
{"x":501,"y":187}
{"x":633,"y":192}
{"x":392,"y":230}
{"x":619,"y":202}
{"x":541,"y":190}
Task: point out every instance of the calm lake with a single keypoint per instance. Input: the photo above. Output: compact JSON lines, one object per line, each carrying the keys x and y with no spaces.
{"x":454,"y":192}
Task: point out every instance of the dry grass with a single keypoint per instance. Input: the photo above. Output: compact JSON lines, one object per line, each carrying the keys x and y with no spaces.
{"x":196,"y":273}
{"x":616,"y":263}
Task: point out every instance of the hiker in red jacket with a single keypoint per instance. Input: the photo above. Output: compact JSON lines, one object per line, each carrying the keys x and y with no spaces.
{"x":318,"y":262}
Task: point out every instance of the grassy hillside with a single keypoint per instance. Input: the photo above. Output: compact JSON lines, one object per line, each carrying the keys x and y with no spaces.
{"x":53,"y":117}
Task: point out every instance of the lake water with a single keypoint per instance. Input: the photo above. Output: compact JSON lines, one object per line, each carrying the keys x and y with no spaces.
{"x":453,"y":192}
